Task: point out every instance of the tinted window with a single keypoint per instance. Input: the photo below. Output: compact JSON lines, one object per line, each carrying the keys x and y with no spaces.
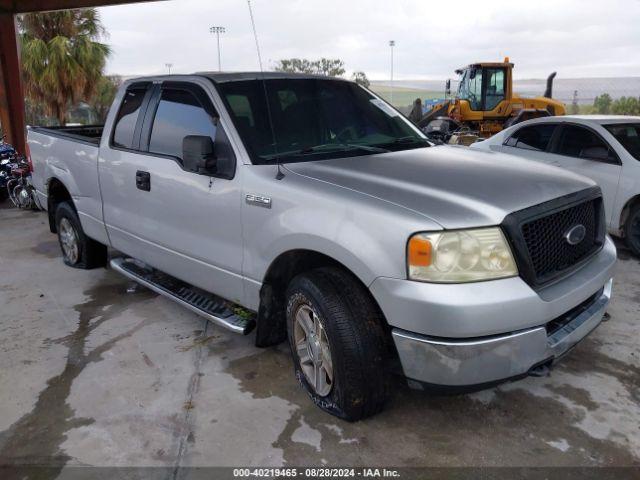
{"x":308,"y":119}
{"x":628,"y":134}
{"x":495,"y":87}
{"x":179,"y":114}
{"x":583,"y":143}
{"x":128,"y":116}
{"x":470,"y":88}
{"x":535,"y":137}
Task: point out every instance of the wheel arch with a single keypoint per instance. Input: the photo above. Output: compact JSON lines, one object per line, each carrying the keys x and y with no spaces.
{"x":632,"y":203}
{"x":57,"y":193}
{"x":271,"y":321}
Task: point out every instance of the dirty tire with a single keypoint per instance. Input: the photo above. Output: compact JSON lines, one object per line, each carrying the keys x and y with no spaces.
{"x":354,"y":328}
{"x":632,"y":231}
{"x":90,"y":254}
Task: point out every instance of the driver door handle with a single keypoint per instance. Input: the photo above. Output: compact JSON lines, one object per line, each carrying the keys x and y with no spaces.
{"x":143,"y":181}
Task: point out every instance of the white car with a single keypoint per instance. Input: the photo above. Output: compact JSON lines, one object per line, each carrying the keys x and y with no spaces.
{"x":605,"y":148}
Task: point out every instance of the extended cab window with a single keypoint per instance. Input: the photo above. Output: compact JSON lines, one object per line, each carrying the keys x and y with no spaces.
{"x":179,"y":114}
{"x":583,"y":143}
{"x":127,"y":118}
{"x":535,"y":137}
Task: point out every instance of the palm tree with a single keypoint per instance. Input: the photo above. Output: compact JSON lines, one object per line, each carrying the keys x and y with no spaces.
{"x":62,"y":58}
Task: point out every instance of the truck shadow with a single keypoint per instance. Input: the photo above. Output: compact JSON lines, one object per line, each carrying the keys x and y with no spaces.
{"x":506,"y":425}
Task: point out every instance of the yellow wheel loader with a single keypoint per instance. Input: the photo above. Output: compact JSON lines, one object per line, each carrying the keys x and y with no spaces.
{"x":485,"y":104}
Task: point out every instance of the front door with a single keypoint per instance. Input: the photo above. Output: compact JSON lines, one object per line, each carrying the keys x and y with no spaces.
{"x":184,"y":223}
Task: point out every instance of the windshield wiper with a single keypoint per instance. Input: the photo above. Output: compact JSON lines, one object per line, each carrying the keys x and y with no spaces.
{"x":326,"y":148}
{"x":343,"y":147}
{"x":407,"y":140}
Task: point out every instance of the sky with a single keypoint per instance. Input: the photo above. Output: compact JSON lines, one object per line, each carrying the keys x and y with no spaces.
{"x":587,"y":38}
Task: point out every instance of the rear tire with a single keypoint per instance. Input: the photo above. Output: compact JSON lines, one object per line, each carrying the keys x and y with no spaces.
{"x":349,"y":332}
{"x":78,"y":250}
{"x":632,"y":231}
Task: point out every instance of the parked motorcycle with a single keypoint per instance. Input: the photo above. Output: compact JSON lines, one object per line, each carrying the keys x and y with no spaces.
{"x":15,"y":178}
{"x":19,"y":187}
{"x":7,"y":160}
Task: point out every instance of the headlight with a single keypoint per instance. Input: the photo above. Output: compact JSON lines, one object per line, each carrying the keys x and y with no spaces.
{"x":460,"y":256}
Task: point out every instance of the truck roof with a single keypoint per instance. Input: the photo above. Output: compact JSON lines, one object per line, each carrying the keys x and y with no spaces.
{"x":222,"y":77}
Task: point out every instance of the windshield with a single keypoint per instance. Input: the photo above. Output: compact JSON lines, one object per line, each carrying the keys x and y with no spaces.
{"x":628,"y":134}
{"x":313,"y":119}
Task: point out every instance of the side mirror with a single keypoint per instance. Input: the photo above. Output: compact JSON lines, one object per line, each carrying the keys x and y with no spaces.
{"x":447,"y":87}
{"x":198,"y":155}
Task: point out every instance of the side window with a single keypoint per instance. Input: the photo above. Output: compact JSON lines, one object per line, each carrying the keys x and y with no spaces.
{"x":127,"y":118}
{"x":535,"y":137}
{"x":475,"y":89}
{"x":495,"y":88}
{"x":583,"y":143}
{"x":179,"y":114}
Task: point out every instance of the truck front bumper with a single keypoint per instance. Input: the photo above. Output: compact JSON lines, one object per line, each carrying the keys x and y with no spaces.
{"x":464,"y":335}
{"x":458,"y":363}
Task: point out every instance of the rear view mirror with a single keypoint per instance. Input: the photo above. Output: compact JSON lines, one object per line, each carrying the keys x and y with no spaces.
{"x":198,"y":154}
{"x":447,"y":87}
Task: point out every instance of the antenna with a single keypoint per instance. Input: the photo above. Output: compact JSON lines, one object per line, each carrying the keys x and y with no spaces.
{"x":280,"y":174}
{"x":255,"y":34}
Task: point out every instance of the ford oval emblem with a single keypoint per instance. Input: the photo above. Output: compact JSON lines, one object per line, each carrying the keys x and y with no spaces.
{"x":575,"y":234}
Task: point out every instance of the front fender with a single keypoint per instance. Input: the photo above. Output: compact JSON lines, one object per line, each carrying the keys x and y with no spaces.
{"x":365,"y":234}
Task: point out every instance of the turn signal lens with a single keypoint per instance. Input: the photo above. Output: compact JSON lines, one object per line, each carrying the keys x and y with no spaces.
{"x":458,"y":256}
{"x":419,"y":252}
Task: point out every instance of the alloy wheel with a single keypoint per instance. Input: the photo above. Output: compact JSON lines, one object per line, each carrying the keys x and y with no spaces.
{"x":69,"y":241}
{"x":312,"y":347}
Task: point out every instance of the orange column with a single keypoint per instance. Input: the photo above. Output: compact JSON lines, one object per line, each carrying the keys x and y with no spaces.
{"x":11,"y":94}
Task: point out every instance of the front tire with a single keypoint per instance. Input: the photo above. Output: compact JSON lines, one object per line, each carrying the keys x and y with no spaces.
{"x":78,"y":250}
{"x":632,"y":231}
{"x":338,"y":343}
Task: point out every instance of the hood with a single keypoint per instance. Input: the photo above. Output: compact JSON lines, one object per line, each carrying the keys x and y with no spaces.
{"x":454,"y":186}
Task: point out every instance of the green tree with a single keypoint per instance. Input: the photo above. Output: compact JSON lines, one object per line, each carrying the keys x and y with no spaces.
{"x":626,"y":106}
{"x":62,"y":58}
{"x":102,"y":99}
{"x":332,"y":67}
{"x":361,"y":79}
{"x":294,"y":65}
{"x":602,"y":103}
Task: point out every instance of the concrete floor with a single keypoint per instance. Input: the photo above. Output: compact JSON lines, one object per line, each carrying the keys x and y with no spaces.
{"x":93,"y":375}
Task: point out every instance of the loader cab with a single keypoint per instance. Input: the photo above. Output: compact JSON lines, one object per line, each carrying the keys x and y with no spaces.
{"x":485,"y":85}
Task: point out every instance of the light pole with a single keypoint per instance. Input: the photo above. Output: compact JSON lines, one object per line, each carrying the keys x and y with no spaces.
{"x":217,"y":31}
{"x":169,"y":65}
{"x":392,"y":43}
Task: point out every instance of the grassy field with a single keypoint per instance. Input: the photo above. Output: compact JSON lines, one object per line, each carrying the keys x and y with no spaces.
{"x":403,"y":96}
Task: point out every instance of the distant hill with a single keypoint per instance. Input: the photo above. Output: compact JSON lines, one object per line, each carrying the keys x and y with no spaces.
{"x":563,"y":88}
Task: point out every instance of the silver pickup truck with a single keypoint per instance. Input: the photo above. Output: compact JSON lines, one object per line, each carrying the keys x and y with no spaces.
{"x":310,"y":209}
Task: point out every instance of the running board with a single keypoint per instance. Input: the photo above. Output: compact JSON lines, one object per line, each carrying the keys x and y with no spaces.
{"x":213,"y":308}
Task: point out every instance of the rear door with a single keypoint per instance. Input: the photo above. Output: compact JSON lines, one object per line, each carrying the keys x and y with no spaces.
{"x":184,"y":223}
{"x":582,"y":150}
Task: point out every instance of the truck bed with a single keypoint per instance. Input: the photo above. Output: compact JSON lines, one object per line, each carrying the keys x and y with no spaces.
{"x":83,"y":133}
{"x":69,"y":155}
